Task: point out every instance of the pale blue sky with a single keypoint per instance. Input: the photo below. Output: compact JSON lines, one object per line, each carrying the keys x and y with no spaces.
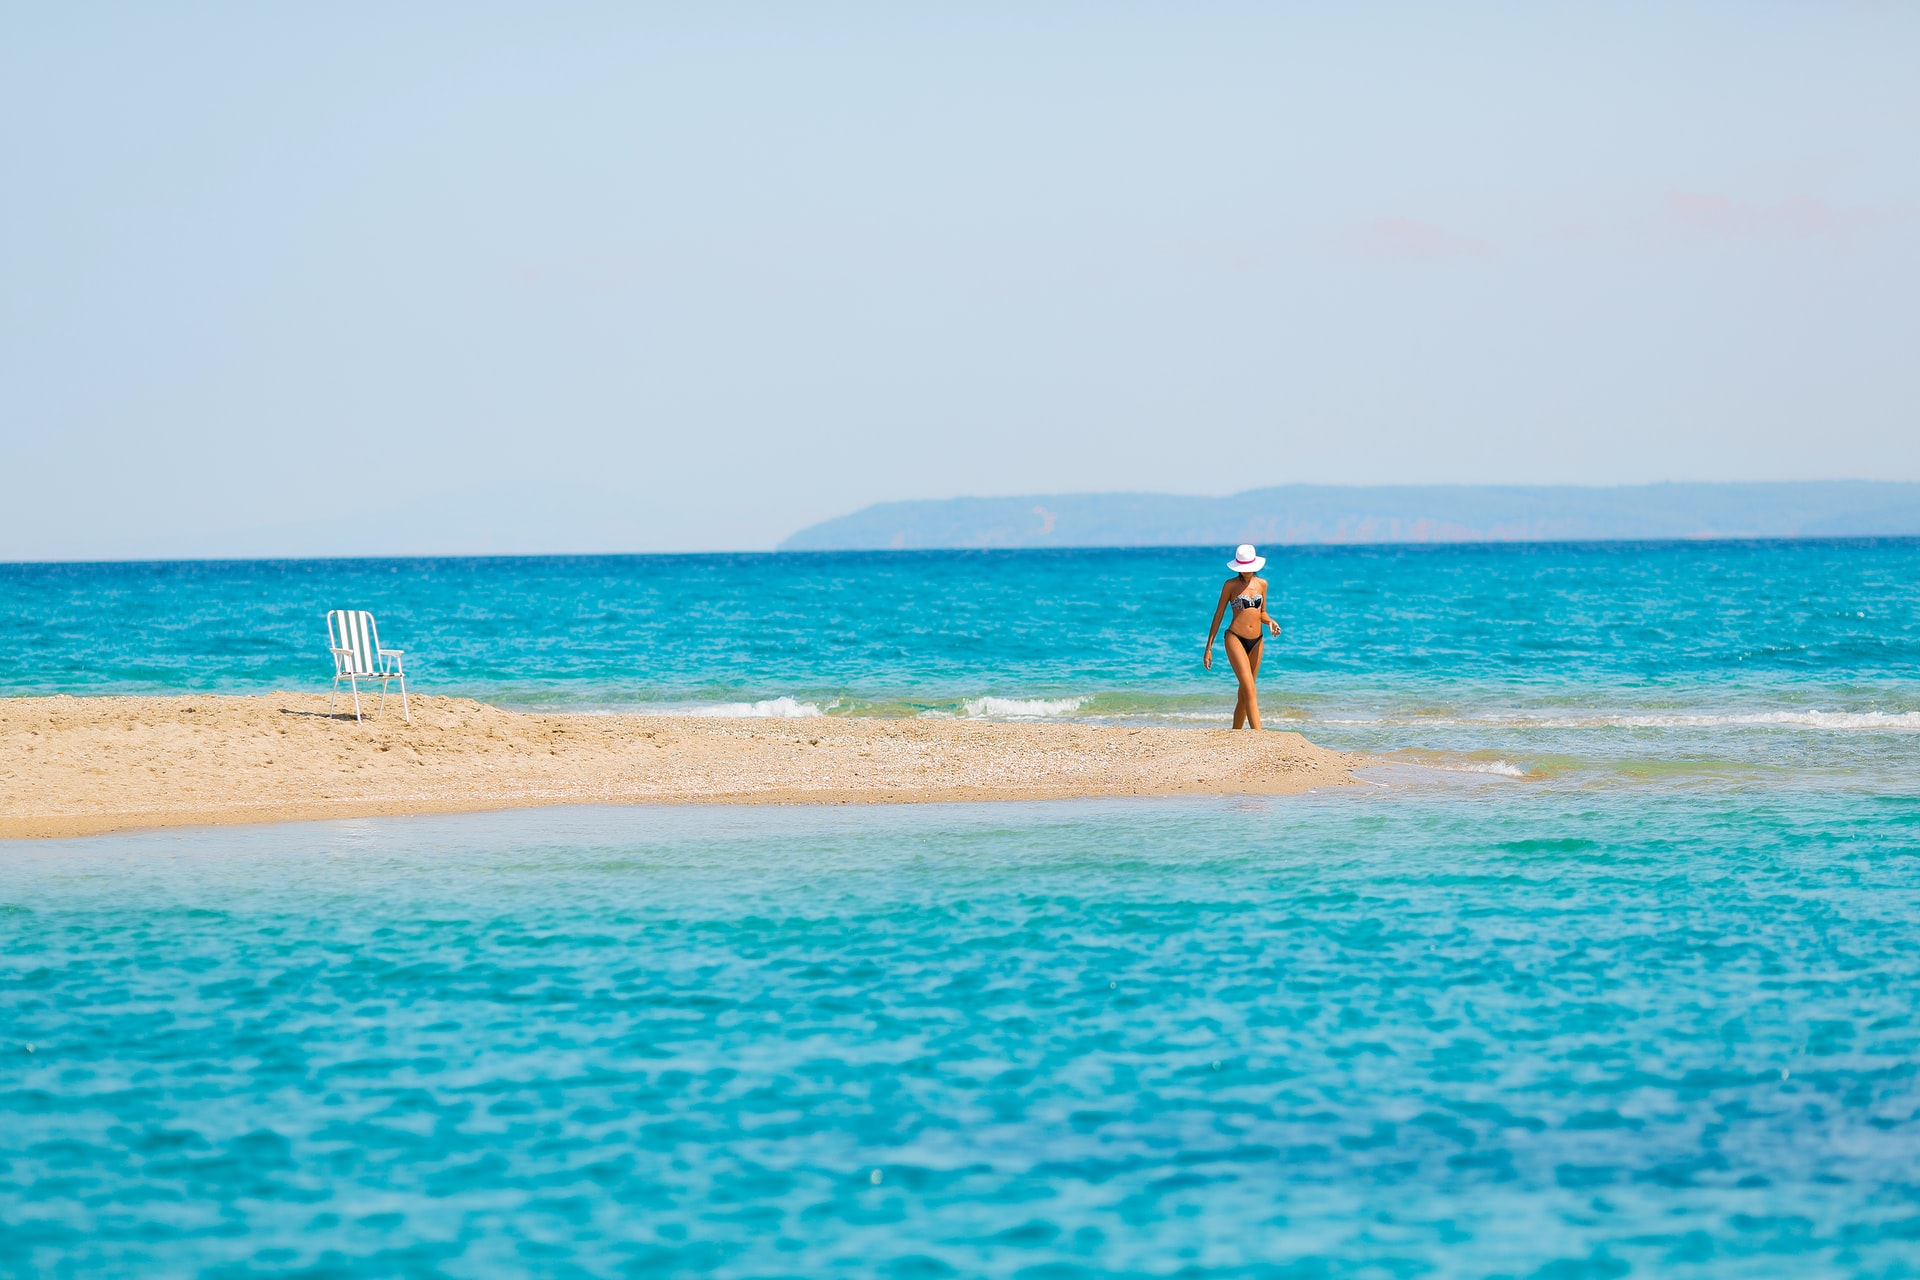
{"x":484,"y":277}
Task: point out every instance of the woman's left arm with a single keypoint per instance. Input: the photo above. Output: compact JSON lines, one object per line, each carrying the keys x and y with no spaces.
{"x":1266,"y":594}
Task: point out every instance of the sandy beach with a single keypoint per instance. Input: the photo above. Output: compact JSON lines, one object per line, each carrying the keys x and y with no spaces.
{"x":76,"y":766}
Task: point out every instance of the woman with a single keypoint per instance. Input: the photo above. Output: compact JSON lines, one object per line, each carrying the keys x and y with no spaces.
{"x":1248,"y":596}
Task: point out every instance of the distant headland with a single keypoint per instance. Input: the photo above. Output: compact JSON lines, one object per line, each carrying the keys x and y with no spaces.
{"x":1305,"y":514}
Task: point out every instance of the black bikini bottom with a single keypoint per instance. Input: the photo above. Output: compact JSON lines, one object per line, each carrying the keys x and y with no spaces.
{"x":1251,"y":646}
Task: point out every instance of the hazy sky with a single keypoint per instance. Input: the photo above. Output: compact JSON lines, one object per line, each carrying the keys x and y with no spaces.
{"x":281,"y":279}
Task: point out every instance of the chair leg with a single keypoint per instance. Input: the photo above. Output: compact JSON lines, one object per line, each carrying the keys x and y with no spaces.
{"x":332,"y":694}
{"x":354,"y":684}
{"x":381,"y":709}
{"x":405,"y":714}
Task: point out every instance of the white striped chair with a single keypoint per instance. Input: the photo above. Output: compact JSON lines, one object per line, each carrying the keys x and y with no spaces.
{"x":357,"y":656}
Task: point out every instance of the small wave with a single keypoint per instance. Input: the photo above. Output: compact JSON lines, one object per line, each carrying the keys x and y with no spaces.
{"x":1447,"y":763}
{"x":1797,"y":719}
{"x":769,"y":708}
{"x":1020,"y":708}
{"x":1832,"y":720}
{"x":1500,"y":767}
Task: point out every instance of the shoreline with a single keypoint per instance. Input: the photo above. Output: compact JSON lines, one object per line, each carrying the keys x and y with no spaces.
{"x":72,"y":766}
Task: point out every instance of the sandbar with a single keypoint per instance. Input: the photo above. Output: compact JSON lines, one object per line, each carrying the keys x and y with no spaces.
{"x":79,"y":766}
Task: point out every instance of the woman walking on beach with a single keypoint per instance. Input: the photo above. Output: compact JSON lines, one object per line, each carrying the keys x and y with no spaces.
{"x":1248,"y":596}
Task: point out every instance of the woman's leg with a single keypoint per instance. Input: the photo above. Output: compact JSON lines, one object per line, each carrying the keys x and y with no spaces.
{"x":1247,"y":709}
{"x":1253,"y":677}
{"x":1236,"y":657}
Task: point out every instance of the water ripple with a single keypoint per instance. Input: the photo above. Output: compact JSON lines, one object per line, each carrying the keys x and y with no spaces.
{"x":1419,"y":1037}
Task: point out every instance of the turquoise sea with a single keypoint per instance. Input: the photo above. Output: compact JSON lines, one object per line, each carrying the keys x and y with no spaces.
{"x":1608,"y":969}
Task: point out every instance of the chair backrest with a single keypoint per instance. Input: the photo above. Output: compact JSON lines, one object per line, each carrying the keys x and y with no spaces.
{"x":352,"y":630}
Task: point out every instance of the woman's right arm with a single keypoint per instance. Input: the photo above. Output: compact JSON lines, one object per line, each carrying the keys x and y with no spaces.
{"x":1214,"y":630}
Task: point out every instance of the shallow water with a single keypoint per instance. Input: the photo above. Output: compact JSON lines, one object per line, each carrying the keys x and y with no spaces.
{"x":1490,"y":1028}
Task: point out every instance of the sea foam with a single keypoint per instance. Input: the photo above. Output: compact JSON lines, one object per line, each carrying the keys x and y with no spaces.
{"x":1020,"y":708}
{"x":781,"y":708}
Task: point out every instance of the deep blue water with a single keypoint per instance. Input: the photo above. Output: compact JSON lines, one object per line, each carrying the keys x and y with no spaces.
{"x":918,"y":630}
{"x":1609,"y":969}
{"x":1745,"y":655}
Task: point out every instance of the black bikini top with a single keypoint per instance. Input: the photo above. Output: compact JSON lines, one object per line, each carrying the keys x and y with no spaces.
{"x":1248,"y":602}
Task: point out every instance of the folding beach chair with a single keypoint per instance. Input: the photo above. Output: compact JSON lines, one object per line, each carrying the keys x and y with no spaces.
{"x":357,"y":656}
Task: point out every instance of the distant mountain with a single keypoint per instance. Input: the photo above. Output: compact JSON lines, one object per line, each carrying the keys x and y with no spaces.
{"x":1294,"y":514}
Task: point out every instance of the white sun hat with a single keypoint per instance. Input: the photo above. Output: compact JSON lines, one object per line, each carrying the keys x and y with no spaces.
{"x":1245,"y":561}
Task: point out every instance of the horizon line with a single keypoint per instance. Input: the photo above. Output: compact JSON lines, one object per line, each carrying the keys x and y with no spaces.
{"x":1271,"y":549}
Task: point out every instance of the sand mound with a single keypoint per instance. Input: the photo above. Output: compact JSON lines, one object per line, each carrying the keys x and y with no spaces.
{"x":70,"y":766}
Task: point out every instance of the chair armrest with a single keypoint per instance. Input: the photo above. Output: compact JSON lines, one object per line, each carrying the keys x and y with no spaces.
{"x":340,"y":652}
{"x":395,"y":652}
